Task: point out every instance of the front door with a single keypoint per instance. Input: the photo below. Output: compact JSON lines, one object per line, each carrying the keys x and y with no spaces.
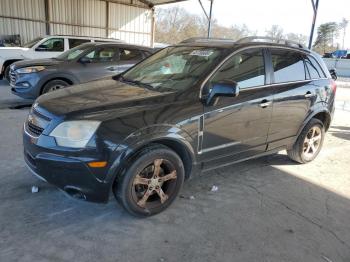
{"x":236,"y":127}
{"x":101,"y":62}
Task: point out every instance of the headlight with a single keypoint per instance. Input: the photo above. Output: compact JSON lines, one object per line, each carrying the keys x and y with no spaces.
{"x":75,"y":134}
{"x":31,"y":69}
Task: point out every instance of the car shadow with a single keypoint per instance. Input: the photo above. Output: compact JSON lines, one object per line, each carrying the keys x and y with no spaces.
{"x":257,"y":207}
{"x":342,"y":132}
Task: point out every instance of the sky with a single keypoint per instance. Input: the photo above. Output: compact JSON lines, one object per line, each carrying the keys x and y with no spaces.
{"x":294,"y":16}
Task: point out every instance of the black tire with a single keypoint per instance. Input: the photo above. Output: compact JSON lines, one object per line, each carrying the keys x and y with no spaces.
{"x":130,"y":194}
{"x":7,"y":73}
{"x":54,"y":85}
{"x":300,"y":152}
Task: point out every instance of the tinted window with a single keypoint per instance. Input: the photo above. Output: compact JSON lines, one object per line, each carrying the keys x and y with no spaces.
{"x":129,"y":54}
{"x":105,"y":54}
{"x":53,"y":45}
{"x":314,"y":68}
{"x":246,"y":68}
{"x":288,"y":66}
{"x":75,"y":42}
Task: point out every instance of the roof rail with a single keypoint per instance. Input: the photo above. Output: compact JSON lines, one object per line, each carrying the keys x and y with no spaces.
{"x":205,"y":39}
{"x":271,"y":40}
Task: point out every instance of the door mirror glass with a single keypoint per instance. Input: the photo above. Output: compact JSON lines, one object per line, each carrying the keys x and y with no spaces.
{"x":226,"y":88}
{"x":333,"y":73}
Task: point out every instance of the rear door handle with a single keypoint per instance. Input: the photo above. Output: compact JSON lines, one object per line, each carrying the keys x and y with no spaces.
{"x":308,"y":94}
{"x":265,"y":103}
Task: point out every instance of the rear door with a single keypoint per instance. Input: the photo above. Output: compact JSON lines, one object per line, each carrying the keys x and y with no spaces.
{"x":236,"y":127}
{"x":128,"y":57}
{"x":294,"y":95}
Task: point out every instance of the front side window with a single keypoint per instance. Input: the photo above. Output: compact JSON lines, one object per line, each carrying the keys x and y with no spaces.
{"x":176,"y":68}
{"x":73,"y":42}
{"x":53,"y":45}
{"x":129,"y":54}
{"x":288,"y":66}
{"x":246,"y":68}
{"x":102,"y":55}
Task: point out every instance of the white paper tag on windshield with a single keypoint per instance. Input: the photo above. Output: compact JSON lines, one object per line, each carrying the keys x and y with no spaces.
{"x":204,"y":53}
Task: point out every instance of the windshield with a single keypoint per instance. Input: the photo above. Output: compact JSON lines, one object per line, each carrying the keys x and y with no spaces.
{"x":176,"y":67}
{"x":74,"y":52}
{"x":32,"y":43}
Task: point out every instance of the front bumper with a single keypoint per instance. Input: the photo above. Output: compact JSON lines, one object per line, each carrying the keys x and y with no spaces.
{"x":65,"y":170}
{"x":25,"y":85}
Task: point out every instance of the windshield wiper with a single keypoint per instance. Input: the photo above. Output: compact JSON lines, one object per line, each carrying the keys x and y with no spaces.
{"x":136,"y":82}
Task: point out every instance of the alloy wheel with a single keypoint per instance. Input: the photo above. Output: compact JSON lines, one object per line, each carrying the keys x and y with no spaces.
{"x":312,"y":142}
{"x":155,"y":184}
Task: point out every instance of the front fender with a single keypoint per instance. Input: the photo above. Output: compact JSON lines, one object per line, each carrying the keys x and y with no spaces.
{"x":144,"y":137}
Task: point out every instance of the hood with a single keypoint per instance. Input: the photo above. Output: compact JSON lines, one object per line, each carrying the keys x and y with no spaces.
{"x":37,"y":62}
{"x":13,"y":52}
{"x":105,"y":96}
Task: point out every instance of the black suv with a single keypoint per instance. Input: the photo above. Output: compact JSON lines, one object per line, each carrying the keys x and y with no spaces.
{"x":199,"y":105}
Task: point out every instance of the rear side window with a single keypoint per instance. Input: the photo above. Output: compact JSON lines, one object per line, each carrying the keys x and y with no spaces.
{"x":75,"y":42}
{"x":288,"y":66}
{"x":105,"y":54}
{"x":129,"y":54}
{"x":246,"y":68}
{"x":314,"y":68}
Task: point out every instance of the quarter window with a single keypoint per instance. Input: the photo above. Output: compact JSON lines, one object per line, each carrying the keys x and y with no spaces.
{"x":313,"y":67}
{"x":246,"y":69}
{"x":288,"y":66}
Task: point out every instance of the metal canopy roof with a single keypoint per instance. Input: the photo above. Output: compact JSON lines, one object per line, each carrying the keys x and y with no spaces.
{"x":152,"y":3}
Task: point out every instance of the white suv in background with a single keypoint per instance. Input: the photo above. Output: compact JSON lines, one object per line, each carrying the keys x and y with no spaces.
{"x":42,"y":47}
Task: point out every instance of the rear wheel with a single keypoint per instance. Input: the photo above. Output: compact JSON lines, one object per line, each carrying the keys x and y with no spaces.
{"x":151,"y":182}
{"x":309,"y":142}
{"x":54,"y":85}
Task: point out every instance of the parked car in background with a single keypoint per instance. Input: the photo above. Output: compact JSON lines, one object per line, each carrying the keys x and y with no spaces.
{"x":84,"y":63}
{"x":42,"y":47}
{"x":188,"y":108}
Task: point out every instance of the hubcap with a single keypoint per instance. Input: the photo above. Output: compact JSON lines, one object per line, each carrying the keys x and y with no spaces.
{"x":312,"y":141}
{"x":55,"y":87}
{"x":154,"y":184}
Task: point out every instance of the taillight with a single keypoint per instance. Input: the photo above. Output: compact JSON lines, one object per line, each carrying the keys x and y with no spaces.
{"x":333,"y":86}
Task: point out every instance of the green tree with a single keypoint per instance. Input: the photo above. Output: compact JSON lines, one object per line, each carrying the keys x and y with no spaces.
{"x":326,"y":34}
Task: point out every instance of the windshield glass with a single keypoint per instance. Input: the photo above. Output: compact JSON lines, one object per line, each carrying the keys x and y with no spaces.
{"x":33,"y":42}
{"x":176,"y":67}
{"x":74,"y":52}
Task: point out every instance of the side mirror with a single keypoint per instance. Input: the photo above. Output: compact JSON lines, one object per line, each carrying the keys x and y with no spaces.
{"x":333,"y":73}
{"x":226,"y":88}
{"x":85,"y":60}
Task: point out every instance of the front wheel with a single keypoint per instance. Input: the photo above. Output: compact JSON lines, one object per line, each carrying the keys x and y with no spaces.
{"x":151,"y":182}
{"x":54,"y":85}
{"x":7,"y":73}
{"x":309,"y":142}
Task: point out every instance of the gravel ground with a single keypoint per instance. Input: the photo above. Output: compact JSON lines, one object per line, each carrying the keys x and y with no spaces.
{"x":268,"y":209}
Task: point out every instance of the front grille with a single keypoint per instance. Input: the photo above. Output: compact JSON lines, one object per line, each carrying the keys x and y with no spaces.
{"x":36,"y":122}
{"x":34,"y":130}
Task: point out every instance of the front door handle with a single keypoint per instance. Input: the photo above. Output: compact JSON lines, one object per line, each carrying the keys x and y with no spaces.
{"x":112,"y":68}
{"x":265,"y":103}
{"x":308,"y":94}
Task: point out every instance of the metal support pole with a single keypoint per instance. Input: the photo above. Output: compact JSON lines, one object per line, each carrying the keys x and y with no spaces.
{"x":315,"y":8}
{"x":210,"y":14}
